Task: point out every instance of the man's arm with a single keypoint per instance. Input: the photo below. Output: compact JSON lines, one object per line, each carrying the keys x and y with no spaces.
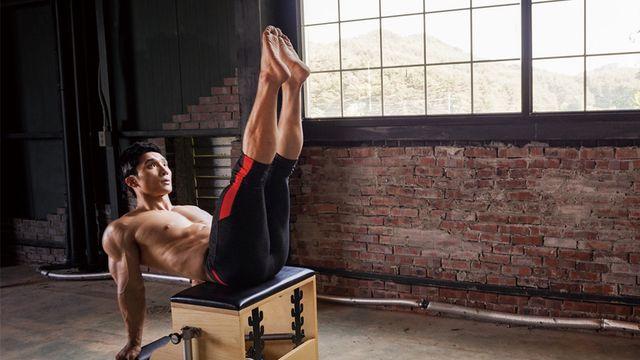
{"x":124,"y":266}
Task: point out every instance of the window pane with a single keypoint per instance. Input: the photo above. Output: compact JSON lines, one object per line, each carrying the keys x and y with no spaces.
{"x":558,"y":85}
{"x":613,"y":82}
{"x":613,"y":26}
{"x":360,"y":44}
{"x":558,"y":28}
{"x":321,"y":47}
{"x":496,"y":33}
{"x":400,"y":7}
{"x":449,"y":89}
{"x":320,"y":11}
{"x":323,"y":95}
{"x":448,"y":37}
{"x":404,"y":91}
{"x":361,"y":93}
{"x":496,"y":87}
{"x":402,"y":40}
{"x":477,"y":3}
{"x":437,"y":5}
{"x":359,"y":9}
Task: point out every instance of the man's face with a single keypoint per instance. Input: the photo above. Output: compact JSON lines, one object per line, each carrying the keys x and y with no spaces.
{"x":154,"y":175}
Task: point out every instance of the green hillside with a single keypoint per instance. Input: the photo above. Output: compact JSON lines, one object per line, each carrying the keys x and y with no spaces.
{"x":496,"y":85}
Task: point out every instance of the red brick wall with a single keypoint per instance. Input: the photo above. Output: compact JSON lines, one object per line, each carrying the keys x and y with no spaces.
{"x":28,"y":233}
{"x":220,"y":110}
{"x":562,"y":219}
{"x":37,"y":255}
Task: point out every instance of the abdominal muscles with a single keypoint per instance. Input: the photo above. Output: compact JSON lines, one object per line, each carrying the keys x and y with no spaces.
{"x":177,"y":250}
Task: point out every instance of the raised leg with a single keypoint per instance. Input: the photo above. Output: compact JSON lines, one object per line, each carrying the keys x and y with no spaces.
{"x":289,"y":145}
{"x":277,"y":204}
{"x":239,"y":247}
{"x":290,"y":137}
{"x":260,"y":134}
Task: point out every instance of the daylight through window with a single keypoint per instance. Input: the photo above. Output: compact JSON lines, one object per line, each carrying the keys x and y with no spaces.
{"x":415,"y":57}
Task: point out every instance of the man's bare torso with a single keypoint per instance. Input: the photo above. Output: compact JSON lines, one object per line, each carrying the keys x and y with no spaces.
{"x":173,"y":241}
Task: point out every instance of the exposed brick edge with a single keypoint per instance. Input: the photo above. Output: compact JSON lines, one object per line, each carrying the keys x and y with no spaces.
{"x":221,"y":109}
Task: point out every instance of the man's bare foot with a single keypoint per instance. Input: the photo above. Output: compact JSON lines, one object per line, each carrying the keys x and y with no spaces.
{"x":299,"y":70}
{"x":272,"y":68}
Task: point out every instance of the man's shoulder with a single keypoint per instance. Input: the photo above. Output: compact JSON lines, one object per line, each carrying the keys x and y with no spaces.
{"x":187,"y":209}
{"x":118,"y":224}
{"x":117,"y":230}
{"x":193,"y":213}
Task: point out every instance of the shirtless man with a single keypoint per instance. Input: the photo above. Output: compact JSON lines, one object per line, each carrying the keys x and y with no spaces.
{"x":247,"y":240}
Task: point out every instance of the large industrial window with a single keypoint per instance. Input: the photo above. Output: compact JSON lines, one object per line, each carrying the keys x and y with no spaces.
{"x":586,"y":55}
{"x":372,"y":58}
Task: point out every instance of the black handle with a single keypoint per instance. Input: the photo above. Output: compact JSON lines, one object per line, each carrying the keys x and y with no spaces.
{"x":148,"y":349}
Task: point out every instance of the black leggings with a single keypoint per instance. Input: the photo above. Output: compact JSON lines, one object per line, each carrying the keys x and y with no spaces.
{"x":249,"y":241}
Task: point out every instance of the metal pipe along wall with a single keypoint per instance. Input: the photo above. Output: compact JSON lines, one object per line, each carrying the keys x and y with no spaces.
{"x":495,"y":316}
{"x":466,"y":312}
{"x":107,"y":276}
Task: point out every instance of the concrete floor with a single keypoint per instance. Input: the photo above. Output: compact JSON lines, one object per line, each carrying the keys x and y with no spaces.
{"x":44,"y":319}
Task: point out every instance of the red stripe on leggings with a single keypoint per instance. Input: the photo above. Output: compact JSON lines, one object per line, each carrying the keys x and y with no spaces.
{"x":229,"y":197}
{"x":215,"y":275}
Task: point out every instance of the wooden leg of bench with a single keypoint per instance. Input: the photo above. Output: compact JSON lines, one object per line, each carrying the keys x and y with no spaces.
{"x":306,"y":351}
{"x":222,"y":337}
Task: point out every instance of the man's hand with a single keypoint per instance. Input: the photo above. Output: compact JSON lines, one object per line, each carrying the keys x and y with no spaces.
{"x":195,"y":282}
{"x":129,"y":352}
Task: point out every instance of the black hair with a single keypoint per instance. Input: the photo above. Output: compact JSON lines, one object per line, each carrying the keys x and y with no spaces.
{"x":130,"y":157}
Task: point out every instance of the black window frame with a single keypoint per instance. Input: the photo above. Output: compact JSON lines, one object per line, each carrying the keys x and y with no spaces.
{"x":523,"y":126}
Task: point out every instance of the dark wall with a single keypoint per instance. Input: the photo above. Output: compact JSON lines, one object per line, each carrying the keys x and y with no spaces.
{"x":207,"y":47}
{"x":33,"y":179}
{"x":162,"y":55}
{"x":165,"y":54}
{"x":41,"y":186}
{"x":31,"y":58}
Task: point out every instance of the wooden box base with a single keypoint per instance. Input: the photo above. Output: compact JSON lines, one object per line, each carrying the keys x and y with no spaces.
{"x":223,"y":331}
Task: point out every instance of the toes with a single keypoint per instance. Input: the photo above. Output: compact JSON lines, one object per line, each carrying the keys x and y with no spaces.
{"x":269,"y":36}
{"x":270,"y":30}
{"x":286,"y":40}
{"x":279,"y":32}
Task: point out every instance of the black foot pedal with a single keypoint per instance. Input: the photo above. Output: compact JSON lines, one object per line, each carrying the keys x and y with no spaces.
{"x":255,"y":351}
{"x":296,"y":313}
